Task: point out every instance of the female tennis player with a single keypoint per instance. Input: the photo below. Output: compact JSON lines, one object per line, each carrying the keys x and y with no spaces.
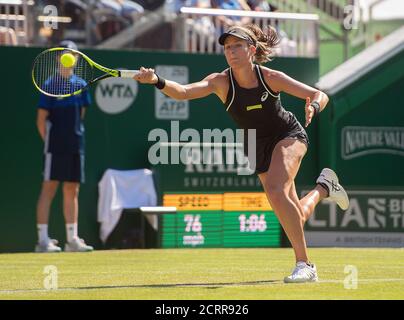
{"x":251,"y":95}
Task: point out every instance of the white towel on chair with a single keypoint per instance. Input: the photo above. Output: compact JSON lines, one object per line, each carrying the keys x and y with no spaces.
{"x":119,"y":190}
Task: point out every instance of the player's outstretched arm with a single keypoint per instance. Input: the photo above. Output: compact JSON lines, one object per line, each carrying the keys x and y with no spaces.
{"x":178,"y":91}
{"x":316,"y":100}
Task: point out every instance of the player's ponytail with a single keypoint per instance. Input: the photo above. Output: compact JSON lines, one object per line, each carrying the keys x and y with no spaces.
{"x":265,"y":42}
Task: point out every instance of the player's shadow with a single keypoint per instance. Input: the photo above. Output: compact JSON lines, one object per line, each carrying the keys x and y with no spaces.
{"x":176,"y":285}
{"x":216,"y":285}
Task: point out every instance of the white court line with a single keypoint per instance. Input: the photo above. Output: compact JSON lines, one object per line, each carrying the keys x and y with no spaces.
{"x":364,"y":280}
{"x":165,"y":286}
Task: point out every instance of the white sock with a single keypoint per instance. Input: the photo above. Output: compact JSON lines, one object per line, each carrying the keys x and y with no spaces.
{"x":71,"y":231}
{"x":42,"y":232}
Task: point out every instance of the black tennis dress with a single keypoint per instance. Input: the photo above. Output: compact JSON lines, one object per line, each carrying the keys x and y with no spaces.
{"x":260,"y":108}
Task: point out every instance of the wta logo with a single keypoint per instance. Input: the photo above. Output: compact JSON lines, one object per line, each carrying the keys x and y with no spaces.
{"x":115,"y":95}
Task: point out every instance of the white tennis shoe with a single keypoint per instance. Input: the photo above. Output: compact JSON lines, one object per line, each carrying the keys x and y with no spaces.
{"x":48,"y":246}
{"x":328,"y":178}
{"x":77,"y":245}
{"x":302,"y":273}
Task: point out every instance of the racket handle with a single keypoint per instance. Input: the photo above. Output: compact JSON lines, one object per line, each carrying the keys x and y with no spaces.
{"x":128,"y":73}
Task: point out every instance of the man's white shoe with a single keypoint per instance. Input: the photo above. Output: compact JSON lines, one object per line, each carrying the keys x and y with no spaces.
{"x":77,"y":245}
{"x":302,"y":273}
{"x":336,"y":192}
{"x":48,"y":246}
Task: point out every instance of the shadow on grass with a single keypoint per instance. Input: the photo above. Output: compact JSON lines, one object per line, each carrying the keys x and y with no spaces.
{"x":176,"y":285}
{"x":159,"y":286}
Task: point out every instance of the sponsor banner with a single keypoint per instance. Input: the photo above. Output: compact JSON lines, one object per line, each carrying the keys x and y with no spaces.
{"x":361,"y":141}
{"x":216,"y":162}
{"x":221,"y":181}
{"x":205,"y":178}
{"x":354,"y":239}
{"x":167,"y":108}
{"x":371,"y":216}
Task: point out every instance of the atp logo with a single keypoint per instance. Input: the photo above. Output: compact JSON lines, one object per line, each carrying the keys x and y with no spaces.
{"x":115,"y":95}
{"x":264,"y":96}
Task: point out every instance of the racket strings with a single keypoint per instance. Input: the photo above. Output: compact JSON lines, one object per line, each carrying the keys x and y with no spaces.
{"x":53,"y":78}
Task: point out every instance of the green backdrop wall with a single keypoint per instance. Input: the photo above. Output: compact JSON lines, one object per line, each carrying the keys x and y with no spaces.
{"x":361,"y":136}
{"x":361,"y":130}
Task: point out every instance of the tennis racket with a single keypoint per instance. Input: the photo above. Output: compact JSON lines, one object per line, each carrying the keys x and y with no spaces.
{"x":51,"y":77}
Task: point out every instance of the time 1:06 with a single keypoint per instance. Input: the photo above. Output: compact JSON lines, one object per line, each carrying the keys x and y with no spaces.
{"x":253,"y":223}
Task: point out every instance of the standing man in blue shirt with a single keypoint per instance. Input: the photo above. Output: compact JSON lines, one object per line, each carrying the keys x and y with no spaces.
{"x":60,"y":124}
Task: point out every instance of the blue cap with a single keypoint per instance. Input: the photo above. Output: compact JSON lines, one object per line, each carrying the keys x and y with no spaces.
{"x":68,"y":44}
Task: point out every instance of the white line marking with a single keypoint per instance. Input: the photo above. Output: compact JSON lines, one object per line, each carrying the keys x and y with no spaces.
{"x":162,"y":285}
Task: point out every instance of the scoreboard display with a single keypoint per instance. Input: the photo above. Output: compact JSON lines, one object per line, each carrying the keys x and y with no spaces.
{"x":230,"y":220}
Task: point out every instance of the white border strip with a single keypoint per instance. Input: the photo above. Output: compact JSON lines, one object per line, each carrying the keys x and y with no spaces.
{"x":201,"y":144}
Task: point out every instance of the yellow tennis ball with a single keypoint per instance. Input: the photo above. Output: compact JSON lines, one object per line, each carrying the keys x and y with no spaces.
{"x":68,"y":60}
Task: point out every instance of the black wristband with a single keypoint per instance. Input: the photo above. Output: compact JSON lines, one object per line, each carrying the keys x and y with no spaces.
{"x":161,"y":82}
{"x":316,"y":107}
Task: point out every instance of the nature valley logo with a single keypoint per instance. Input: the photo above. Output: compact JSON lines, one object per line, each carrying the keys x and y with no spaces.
{"x":361,"y":141}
